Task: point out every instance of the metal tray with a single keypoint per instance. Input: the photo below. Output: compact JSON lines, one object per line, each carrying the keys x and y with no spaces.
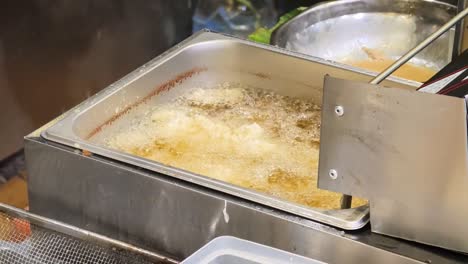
{"x":208,"y":58}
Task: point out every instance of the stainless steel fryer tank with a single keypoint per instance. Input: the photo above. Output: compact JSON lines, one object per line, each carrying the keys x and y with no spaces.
{"x":207,"y":59}
{"x":161,"y":213}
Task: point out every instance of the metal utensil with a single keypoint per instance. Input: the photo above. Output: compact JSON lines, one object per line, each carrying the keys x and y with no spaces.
{"x":347,"y":199}
{"x":401,"y":146}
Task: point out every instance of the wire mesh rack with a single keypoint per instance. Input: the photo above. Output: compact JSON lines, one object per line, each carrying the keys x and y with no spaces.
{"x":28,"y":238}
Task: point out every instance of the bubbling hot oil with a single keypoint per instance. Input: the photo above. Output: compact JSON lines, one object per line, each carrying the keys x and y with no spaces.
{"x":248,"y":137}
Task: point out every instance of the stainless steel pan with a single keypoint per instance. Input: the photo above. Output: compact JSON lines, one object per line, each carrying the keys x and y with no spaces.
{"x":210,"y":59}
{"x":342,"y":31}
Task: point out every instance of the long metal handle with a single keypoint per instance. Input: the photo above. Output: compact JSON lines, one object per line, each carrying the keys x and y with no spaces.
{"x":418,"y":48}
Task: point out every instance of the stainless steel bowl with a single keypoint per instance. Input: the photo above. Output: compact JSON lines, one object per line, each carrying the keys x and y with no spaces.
{"x":342,"y":31}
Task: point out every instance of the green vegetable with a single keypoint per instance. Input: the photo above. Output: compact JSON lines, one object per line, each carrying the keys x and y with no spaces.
{"x":263,"y":35}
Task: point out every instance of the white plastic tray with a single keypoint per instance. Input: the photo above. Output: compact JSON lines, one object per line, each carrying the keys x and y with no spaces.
{"x":232,"y":250}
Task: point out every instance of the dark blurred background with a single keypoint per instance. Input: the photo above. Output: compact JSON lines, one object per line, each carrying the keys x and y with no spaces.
{"x":55,"y":53}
